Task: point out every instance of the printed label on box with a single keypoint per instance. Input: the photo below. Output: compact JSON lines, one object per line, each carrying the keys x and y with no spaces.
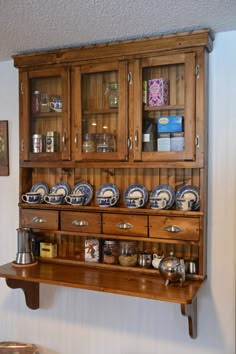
{"x":170,"y":124}
{"x":158,"y":92}
{"x":92,"y":252}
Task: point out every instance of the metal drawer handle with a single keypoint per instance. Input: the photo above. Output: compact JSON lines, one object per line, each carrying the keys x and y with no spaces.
{"x":39,"y":220}
{"x":124,"y":225}
{"x":80,"y":223}
{"x":173,"y":228}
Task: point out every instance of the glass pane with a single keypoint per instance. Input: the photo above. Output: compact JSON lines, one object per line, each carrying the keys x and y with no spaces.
{"x":100,"y":102}
{"x":163,"y":108}
{"x":45,"y":114}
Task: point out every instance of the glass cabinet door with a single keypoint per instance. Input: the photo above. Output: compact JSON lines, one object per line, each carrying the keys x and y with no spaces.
{"x":45,"y":124}
{"x":99,"y":113}
{"x":166,"y":87}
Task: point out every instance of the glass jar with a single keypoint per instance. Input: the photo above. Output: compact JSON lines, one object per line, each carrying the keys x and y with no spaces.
{"x":88,"y":143}
{"x":112,"y":94}
{"x":110,"y":251}
{"x":44,"y":103}
{"x":104,"y":142}
{"x":128,"y":253}
{"x":35,"y":104}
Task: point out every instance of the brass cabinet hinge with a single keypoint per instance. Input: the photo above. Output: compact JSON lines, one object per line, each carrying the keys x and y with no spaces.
{"x":198,"y":71}
{"x":22,"y":145}
{"x":22,"y":88}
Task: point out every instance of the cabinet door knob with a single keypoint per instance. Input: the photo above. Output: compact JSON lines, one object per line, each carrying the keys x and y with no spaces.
{"x":80,"y":223}
{"x":172,"y":228}
{"x":124,"y":225}
{"x":39,"y":220}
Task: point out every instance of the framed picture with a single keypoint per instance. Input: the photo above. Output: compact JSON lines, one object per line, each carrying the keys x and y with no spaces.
{"x":4,"y":152}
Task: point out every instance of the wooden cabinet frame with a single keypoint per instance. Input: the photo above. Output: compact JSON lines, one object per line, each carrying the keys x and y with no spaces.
{"x":129,"y":164}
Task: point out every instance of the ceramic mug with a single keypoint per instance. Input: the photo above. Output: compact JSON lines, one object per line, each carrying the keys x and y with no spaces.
{"x":104,"y":201}
{"x":56,"y":104}
{"x":75,"y":199}
{"x":184,"y":204}
{"x":54,"y":198}
{"x":158,"y":203}
{"x":31,"y":197}
{"x":134,"y":202}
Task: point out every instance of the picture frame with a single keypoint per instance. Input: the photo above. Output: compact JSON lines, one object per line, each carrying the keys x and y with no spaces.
{"x":4,"y":148}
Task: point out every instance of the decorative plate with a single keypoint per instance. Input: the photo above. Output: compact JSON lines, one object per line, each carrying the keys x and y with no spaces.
{"x":136,"y":191}
{"x":42,"y":188}
{"x":108,"y":190}
{"x":61,"y":188}
{"x":190,"y":192}
{"x":166,"y":192}
{"x":84,"y":188}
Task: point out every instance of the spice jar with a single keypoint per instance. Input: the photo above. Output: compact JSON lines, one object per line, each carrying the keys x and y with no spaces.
{"x":128,"y":253}
{"x":110,"y":251}
{"x":112,"y":94}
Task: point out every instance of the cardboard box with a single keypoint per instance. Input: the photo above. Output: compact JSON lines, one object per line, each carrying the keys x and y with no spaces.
{"x":169,"y":124}
{"x":163,"y":142}
{"x":158,"y":92}
{"x":48,"y":250}
{"x":177,"y":141}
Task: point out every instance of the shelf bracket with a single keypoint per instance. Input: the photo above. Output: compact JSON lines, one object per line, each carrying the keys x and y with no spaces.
{"x":31,"y":291}
{"x":190,"y":310}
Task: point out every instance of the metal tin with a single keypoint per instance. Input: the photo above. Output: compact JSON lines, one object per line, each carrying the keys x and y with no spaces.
{"x":51,"y":141}
{"x":37,"y":143}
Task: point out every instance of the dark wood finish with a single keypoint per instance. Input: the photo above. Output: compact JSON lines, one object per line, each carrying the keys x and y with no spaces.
{"x":190,"y":310}
{"x":30,"y":289}
{"x":39,"y":219}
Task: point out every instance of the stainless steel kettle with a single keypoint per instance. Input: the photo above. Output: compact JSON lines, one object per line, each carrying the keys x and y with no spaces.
{"x":24,"y":246}
{"x":172,"y":269}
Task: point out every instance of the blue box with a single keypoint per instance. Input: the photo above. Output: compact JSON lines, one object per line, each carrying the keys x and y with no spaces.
{"x":169,"y":124}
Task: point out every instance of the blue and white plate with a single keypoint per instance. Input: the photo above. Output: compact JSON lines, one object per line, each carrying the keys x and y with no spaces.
{"x":166,"y":192}
{"x":138,"y":193}
{"x":190,"y":192}
{"x":84,"y":188}
{"x":42,"y":188}
{"x":107,"y":191}
{"x":61,"y":188}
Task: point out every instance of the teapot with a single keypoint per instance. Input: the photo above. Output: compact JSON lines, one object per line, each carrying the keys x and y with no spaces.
{"x":156,"y":260}
{"x":172,"y":269}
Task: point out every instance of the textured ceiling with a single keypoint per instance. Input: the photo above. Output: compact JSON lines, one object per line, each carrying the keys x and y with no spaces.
{"x":31,"y":25}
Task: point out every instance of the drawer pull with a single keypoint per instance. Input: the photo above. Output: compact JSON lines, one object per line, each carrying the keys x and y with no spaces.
{"x":80,"y":223}
{"x":172,"y":228}
{"x":39,"y":220}
{"x":124,"y":225}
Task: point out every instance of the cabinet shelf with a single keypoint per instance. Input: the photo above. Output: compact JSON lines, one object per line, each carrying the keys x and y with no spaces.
{"x":164,"y":108}
{"x":115,"y":282}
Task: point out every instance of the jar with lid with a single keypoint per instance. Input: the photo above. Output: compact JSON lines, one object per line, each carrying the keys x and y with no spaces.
{"x":37,"y":143}
{"x":88,"y":143}
{"x":35,"y":104}
{"x":112,"y":94}
{"x":110,"y":251}
{"x":104,"y":142}
{"x":128,"y":253}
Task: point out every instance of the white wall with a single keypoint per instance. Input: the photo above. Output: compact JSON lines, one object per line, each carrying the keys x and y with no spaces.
{"x":72,"y":321}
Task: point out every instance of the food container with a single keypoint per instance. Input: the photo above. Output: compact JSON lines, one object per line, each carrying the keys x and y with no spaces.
{"x":48,"y":249}
{"x":37,"y":143}
{"x":128,"y":253}
{"x":158,"y":92}
{"x":92,"y":250}
{"x":110,"y":251}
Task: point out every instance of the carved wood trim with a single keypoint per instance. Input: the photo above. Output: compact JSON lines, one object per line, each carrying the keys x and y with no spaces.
{"x":30,"y":289}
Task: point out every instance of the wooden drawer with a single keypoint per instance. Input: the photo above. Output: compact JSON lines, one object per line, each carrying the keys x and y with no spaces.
{"x":176,"y":228}
{"x":120,"y":224}
{"x":39,"y":219}
{"x":80,"y":221}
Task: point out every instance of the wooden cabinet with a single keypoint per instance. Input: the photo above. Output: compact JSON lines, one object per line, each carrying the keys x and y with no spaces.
{"x":107,"y":130}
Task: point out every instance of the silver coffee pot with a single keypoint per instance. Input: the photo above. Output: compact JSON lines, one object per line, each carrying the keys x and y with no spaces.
{"x":172,"y":269}
{"x":24,"y":246}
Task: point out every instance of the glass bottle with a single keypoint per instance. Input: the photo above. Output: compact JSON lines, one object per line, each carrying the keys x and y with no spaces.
{"x":35,"y":104}
{"x":88,"y":143}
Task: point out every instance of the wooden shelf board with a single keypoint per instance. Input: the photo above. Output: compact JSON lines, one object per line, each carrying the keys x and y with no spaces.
{"x":116,"y":282}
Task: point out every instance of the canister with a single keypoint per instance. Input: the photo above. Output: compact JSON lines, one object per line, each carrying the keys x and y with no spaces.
{"x":37,"y":143}
{"x":51,"y":141}
{"x":110,"y":251}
